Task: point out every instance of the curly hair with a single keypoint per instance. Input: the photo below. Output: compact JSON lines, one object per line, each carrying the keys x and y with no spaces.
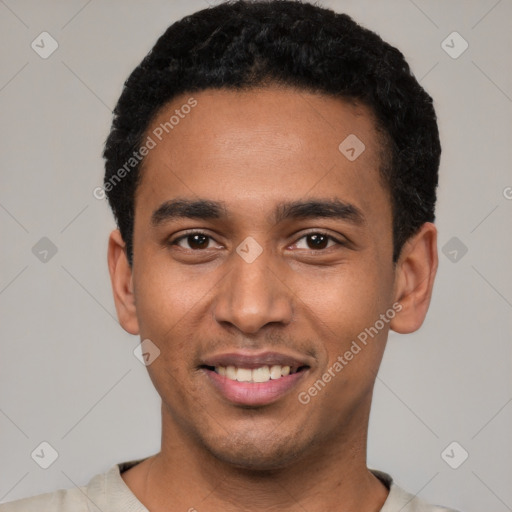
{"x":244,"y":44}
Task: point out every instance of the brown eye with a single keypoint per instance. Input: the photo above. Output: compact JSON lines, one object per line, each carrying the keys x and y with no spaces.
{"x":195,"y":241}
{"x":318,"y":241}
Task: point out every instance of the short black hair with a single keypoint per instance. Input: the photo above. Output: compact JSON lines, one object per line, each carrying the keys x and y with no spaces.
{"x":246,"y":44}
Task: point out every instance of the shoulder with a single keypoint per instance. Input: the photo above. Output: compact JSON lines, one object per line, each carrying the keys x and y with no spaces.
{"x":403,"y":501}
{"x":105,"y":491}
{"x":62,"y":500}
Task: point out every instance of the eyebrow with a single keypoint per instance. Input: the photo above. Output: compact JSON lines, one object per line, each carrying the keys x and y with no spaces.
{"x":204,"y":209}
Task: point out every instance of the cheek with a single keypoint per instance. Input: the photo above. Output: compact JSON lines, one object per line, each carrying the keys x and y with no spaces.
{"x":343,"y":309}
{"x":169,"y":304}
{"x":345,"y":299}
{"x":167,"y":295}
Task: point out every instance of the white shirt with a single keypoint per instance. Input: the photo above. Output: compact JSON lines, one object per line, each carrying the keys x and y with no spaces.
{"x":107,"y":492}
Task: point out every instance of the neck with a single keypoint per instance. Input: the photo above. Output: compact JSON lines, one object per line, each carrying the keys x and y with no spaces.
{"x":186,"y":476}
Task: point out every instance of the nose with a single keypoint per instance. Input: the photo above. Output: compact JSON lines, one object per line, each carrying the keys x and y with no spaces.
{"x":253,"y":294}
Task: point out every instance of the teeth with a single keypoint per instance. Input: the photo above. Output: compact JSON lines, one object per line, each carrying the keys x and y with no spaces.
{"x":230,"y":372}
{"x":275,"y":372}
{"x":262,"y":374}
{"x":243,"y":375}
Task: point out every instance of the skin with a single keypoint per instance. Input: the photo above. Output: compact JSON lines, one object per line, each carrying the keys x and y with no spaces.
{"x":253,"y":150}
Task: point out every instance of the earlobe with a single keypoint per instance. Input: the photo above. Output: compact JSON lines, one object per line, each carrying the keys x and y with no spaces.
{"x":121,"y":278}
{"x":415,"y":272}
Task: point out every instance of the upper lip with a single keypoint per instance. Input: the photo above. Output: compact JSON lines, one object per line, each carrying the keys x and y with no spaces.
{"x":254,"y":360}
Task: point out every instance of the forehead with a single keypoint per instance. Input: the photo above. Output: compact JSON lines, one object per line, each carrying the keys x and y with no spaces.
{"x":256,"y":148}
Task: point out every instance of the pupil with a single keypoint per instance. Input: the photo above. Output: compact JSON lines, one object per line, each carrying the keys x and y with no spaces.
{"x":318,"y":240}
{"x":193,"y":240}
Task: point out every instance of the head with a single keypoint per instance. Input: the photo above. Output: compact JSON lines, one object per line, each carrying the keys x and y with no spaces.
{"x":287,"y":132}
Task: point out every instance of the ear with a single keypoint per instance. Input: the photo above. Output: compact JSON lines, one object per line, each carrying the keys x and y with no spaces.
{"x":414,"y":279}
{"x":122,"y":283}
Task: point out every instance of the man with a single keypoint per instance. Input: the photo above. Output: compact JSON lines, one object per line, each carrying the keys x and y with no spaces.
{"x":272,"y":168}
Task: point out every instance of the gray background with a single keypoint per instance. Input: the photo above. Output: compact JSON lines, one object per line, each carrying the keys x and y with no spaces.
{"x":68,"y":375}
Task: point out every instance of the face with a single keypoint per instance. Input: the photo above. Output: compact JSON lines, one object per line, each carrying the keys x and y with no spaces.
{"x":261,"y":255}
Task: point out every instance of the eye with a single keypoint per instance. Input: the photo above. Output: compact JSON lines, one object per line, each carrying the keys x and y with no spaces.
{"x":318,"y":240}
{"x":196,"y":240}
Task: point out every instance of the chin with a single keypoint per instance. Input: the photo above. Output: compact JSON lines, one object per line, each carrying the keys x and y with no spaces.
{"x":257,"y":453}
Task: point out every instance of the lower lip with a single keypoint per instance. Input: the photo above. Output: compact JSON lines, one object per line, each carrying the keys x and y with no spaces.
{"x":254,"y":393}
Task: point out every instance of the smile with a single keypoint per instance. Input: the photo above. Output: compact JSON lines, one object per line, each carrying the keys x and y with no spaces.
{"x":261,"y":374}
{"x":250,"y":380}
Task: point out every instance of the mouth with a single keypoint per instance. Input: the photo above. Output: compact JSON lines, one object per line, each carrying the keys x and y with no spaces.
{"x":256,"y":375}
{"x":254,"y":380}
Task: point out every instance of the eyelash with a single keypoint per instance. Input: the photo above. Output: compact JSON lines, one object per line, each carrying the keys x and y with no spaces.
{"x":322,"y":233}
